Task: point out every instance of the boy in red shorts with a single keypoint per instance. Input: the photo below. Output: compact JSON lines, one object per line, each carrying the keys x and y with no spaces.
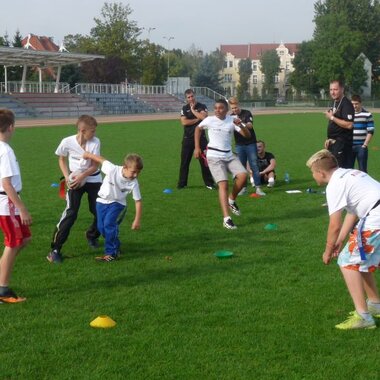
{"x":14,"y":217}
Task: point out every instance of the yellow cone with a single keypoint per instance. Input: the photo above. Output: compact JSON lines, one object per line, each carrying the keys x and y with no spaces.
{"x":103,"y":322}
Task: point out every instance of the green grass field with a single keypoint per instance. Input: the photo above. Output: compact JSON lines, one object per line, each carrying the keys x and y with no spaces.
{"x":267,"y":313}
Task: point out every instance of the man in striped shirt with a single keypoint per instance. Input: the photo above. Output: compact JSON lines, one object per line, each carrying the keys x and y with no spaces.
{"x":364,"y":129}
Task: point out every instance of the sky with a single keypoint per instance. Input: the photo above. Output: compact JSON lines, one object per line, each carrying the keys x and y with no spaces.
{"x":203,"y":24}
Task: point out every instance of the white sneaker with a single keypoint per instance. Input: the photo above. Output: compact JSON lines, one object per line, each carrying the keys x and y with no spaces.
{"x":259,"y":191}
{"x":229,"y":224}
{"x":243,"y":191}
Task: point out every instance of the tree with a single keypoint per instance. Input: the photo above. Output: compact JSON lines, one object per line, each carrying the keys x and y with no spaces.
{"x":207,"y":74}
{"x":270,"y":67}
{"x":153,"y":64}
{"x":344,"y":29}
{"x":303,"y":78}
{"x":245,"y":72}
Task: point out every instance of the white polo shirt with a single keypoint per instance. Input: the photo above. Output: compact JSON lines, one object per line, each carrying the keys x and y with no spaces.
{"x":220,"y":133}
{"x":116,"y":187}
{"x":69,"y":147}
{"x":8,"y":168}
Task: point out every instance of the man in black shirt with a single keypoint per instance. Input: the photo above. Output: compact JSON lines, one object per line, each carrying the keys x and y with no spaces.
{"x":340,"y":127}
{"x":191,"y":115}
{"x":246,"y":147}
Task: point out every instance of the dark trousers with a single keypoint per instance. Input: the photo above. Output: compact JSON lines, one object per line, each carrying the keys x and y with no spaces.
{"x":187,"y":152}
{"x":361,"y":154}
{"x":343,"y":153}
{"x":69,"y":215}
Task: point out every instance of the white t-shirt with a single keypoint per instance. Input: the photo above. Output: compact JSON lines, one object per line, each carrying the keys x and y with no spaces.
{"x":116,"y":187}
{"x":220,"y":133}
{"x":356,"y":192}
{"x":69,"y":147}
{"x":8,"y":168}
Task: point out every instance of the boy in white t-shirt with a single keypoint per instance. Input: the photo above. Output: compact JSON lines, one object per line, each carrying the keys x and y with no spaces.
{"x":358,"y":194}
{"x":220,"y":158}
{"x":87,"y":180}
{"x":14,"y":217}
{"x":111,"y":204}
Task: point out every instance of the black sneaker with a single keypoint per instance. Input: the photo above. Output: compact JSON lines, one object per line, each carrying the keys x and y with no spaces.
{"x":93,"y":243}
{"x":234,"y":208}
{"x":229,"y":224}
{"x":7,"y":295}
{"x":179,"y":187}
{"x":210,"y":187}
{"x":55,"y":257}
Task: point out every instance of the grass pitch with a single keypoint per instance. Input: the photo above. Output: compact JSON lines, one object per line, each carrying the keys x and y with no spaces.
{"x":181,"y":313}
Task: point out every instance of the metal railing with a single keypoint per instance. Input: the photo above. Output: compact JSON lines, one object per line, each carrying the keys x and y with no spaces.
{"x":35,"y":87}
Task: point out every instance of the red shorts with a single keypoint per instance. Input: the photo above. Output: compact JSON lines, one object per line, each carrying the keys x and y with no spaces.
{"x":14,"y":231}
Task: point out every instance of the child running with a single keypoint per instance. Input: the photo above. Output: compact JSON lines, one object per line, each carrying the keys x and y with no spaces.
{"x":14,"y":217}
{"x":111,"y":204}
{"x":358,"y":194}
{"x":220,"y":158}
{"x":88,"y":180}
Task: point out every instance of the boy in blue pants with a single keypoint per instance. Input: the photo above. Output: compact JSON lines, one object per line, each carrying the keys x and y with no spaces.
{"x":111,"y":204}
{"x":358,"y":194}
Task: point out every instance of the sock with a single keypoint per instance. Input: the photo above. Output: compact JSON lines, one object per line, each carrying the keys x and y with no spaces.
{"x":271,"y":180}
{"x":375,"y":305}
{"x":226,"y":218}
{"x":3,"y":289}
{"x":366,"y":316}
{"x":230,"y":201}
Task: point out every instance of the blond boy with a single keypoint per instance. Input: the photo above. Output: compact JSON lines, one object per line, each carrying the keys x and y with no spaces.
{"x":359,"y":195}
{"x":111,"y":204}
{"x":87,"y":180}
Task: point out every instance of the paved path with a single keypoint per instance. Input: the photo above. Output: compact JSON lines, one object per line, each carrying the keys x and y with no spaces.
{"x":24,"y":123}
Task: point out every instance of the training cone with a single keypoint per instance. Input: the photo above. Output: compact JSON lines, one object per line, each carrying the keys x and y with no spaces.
{"x":103,"y":322}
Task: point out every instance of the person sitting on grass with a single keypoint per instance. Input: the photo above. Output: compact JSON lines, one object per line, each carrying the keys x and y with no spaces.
{"x":220,"y":158}
{"x":111,"y":204}
{"x":358,"y":194}
{"x":267,"y":163}
{"x":14,"y":216}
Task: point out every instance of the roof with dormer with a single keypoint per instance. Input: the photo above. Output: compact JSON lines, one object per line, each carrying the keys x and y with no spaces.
{"x":254,"y":51}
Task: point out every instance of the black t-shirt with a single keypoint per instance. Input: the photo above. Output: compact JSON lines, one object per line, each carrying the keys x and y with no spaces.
{"x":188,"y":131}
{"x":343,"y":109}
{"x":246,"y":117}
{"x":264,"y":162}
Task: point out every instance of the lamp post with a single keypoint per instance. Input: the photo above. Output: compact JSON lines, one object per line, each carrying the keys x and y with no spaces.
{"x":150,"y":29}
{"x":168,"y":39}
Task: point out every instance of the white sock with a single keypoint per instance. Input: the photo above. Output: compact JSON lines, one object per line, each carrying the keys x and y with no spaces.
{"x":226,"y":218}
{"x":271,"y":180}
{"x":374,"y":304}
{"x":230,"y":201}
{"x":367,"y":316}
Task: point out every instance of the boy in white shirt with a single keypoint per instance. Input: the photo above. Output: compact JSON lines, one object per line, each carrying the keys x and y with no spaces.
{"x":220,"y":158}
{"x":87,"y":180}
{"x":111,"y":204}
{"x":14,"y":217}
{"x":358,"y":194}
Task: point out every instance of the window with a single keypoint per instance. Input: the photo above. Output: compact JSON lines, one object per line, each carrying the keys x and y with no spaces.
{"x":254,"y":67}
{"x":231,"y":64}
{"x":254,"y":79}
{"x":225,"y":64}
{"x":281,"y":52}
{"x":276,"y":79}
{"x":228,"y":77}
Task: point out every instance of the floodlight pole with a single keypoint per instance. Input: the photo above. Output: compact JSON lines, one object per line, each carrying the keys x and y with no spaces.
{"x":168,"y":39}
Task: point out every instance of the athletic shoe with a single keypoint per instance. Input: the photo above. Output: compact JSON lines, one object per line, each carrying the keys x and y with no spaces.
{"x":106,"y":258}
{"x":270,"y":184}
{"x":179,"y":187}
{"x":355,"y":321}
{"x":229,"y":224}
{"x":260,"y":192}
{"x":210,"y":187}
{"x":373,"y":310}
{"x":55,"y":257}
{"x":243,"y":191}
{"x":9,"y":296}
{"x":234,"y":208}
{"x":93,"y":243}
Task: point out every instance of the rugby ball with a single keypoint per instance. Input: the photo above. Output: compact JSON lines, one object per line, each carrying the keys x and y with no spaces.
{"x":72,"y":177}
